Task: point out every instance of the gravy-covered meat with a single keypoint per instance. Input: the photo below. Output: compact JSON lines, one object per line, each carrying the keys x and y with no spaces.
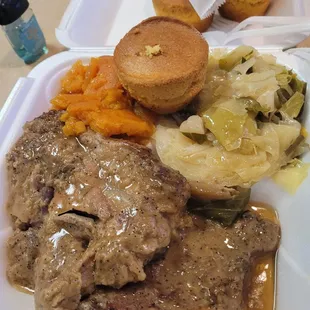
{"x":99,"y":224}
{"x":23,"y":247}
{"x":104,"y":207}
{"x":205,"y":268}
{"x":59,"y":268}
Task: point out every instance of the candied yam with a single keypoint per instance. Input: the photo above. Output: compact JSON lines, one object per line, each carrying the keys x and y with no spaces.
{"x":59,"y":102}
{"x":64,"y":117}
{"x":92,"y":95}
{"x":115,"y":99}
{"x":105,"y":79}
{"x":82,"y":110}
{"x":76,"y":108}
{"x":107,"y":68}
{"x":117,"y":122}
{"x":91,"y":72}
{"x":97,"y":86}
{"x":62,"y":101}
{"x":72,"y":82}
{"x":73,"y":127}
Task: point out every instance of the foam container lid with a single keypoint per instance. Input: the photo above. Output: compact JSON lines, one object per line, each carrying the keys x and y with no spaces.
{"x":30,"y":98}
{"x":98,"y":23}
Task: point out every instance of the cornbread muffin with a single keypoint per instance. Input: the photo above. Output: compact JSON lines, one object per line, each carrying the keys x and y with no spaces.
{"x":162,"y":63}
{"x":183,"y":10}
{"x":239,"y":10}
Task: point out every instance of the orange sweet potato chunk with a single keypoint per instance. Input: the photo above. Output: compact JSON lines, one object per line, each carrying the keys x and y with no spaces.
{"x":73,"y":81}
{"x":105,"y":79}
{"x":89,"y":106}
{"x":73,"y":127}
{"x":116,"y":99}
{"x":91,"y":72}
{"x":82,"y":110}
{"x":64,"y":117}
{"x":117,"y":122}
{"x":92,"y":96}
{"x":107,"y":68}
{"x":97,"y":86}
{"x":62,"y":101}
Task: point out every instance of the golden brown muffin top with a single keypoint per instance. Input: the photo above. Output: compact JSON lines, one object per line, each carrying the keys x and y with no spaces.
{"x":159,"y":50}
{"x":179,"y":5}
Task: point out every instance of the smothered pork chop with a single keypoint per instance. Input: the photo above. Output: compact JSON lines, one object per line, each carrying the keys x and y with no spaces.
{"x":91,"y":215}
{"x":86,"y":211}
{"x":206,"y":267}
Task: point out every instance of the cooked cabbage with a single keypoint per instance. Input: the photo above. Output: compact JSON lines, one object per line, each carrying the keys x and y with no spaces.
{"x":259,"y":86}
{"x":292,"y":175}
{"x":248,"y":107}
{"x":194,"y":129}
{"x":298,"y":85}
{"x":212,"y":170}
{"x":243,"y":68}
{"x":235,"y":57}
{"x":293,"y":106}
{"x":253,"y":105}
{"x":226,"y":121}
{"x":283,"y":78}
{"x":268,"y":83}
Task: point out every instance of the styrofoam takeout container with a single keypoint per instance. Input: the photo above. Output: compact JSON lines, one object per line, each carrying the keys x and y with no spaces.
{"x":30,"y":98}
{"x":96,"y":23}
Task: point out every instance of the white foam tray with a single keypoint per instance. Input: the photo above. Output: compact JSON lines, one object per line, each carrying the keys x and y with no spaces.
{"x":30,"y":98}
{"x":101,"y":23}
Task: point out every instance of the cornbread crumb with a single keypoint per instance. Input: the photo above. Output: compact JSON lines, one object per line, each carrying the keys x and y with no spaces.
{"x":151,"y":51}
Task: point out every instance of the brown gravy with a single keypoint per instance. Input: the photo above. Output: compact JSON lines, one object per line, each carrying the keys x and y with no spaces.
{"x":262,"y":278}
{"x":263,"y":283}
{"x":23,"y":289}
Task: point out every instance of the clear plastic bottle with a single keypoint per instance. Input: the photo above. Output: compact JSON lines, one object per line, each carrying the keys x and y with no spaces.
{"x":22,"y":30}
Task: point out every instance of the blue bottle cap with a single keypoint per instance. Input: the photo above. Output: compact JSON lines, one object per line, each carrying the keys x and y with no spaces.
{"x":11,"y":10}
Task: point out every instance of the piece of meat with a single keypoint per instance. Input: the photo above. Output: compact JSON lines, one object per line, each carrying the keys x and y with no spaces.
{"x":205,"y":268}
{"x":219,"y":259}
{"x":22,"y":251}
{"x":90,"y":212}
{"x":80,"y":227}
{"x":64,"y":269}
{"x":60,"y":263}
{"x":137,"y":297}
{"x":29,"y":178}
{"x":106,"y":203}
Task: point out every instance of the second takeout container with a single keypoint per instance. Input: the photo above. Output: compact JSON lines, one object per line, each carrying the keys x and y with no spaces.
{"x":30,"y":98}
{"x":97,"y":23}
